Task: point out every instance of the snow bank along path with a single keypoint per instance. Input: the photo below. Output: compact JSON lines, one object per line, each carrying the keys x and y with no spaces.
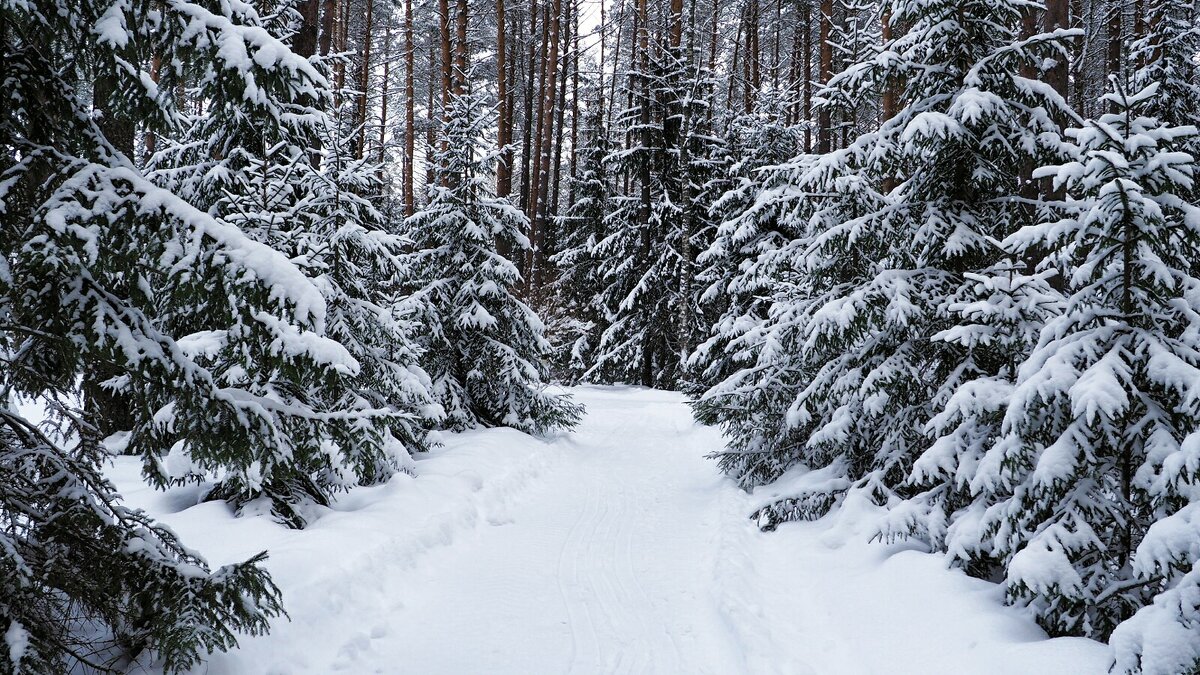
{"x":616,"y":549}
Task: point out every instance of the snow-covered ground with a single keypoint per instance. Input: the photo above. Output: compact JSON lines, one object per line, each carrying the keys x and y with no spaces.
{"x":615,"y":549}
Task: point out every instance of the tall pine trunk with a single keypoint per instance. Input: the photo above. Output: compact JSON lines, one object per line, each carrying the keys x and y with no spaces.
{"x":824,"y":123}
{"x":504,"y":122}
{"x":540,"y":202}
{"x":410,"y":127}
{"x":364,"y":81}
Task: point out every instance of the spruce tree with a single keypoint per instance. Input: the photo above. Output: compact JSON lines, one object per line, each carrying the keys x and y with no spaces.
{"x":483,"y":347}
{"x":654,"y":228}
{"x":639,"y":257}
{"x":107,"y":271}
{"x":579,"y":319}
{"x":896,"y":229}
{"x":752,"y":219}
{"x":282,"y":170}
{"x":361,"y":268}
{"x":1167,"y":52}
{"x":1094,"y":472}
{"x":705,"y":159}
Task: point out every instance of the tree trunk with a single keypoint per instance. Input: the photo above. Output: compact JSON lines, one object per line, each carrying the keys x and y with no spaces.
{"x":383,"y":93}
{"x":889,"y":91}
{"x":364,"y":81}
{"x":538,"y":126}
{"x":1139,"y":29}
{"x":151,"y":138}
{"x":715,"y":37}
{"x":1080,"y":101}
{"x":643,"y":59}
{"x":430,"y":136}
{"x":343,"y":34}
{"x":504,"y":124}
{"x":675,"y":36}
{"x":461,"y":56}
{"x":447,"y":62}
{"x":686,"y":270}
{"x":305,"y":42}
{"x":808,"y":76}
{"x":556,"y":166}
{"x":1116,"y":36}
{"x":750,"y":58}
{"x":1056,"y":18}
{"x":756,"y":50}
{"x":600,"y":64}
{"x":612,"y":92}
{"x":824,"y":123}
{"x":733,"y":69}
{"x":575,"y":96}
{"x":546,"y":126}
{"x":410,"y":130}
{"x":328,"y":13}
{"x":527,"y":122}
{"x":775,"y":64}
{"x":109,"y":411}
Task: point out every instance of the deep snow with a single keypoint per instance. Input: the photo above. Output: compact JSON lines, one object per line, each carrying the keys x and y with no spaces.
{"x":615,"y":549}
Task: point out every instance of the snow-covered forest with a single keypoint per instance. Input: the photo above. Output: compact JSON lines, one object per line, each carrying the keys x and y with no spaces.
{"x":924,"y":271}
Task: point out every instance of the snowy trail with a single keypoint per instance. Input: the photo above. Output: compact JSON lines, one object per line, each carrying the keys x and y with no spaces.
{"x":615,"y":549}
{"x":606,"y":566}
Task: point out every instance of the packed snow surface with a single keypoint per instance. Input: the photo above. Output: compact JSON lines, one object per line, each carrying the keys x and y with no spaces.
{"x":617,"y":548}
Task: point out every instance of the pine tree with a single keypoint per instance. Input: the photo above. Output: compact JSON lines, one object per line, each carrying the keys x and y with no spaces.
{"x":899,"y":226}
{"x":107,"y":271}
{"x":752,"y":221}
{"x":361,"y":269}
{"x":484,"y":348}
{"x":1096,"y":441}
{"x":579,"y":321}
{"x":284,"y":172}
{"x":647,"y":258}
{"x":1168,"y":51}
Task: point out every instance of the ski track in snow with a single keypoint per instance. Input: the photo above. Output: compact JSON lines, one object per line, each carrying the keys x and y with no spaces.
{"x":615,"y":549}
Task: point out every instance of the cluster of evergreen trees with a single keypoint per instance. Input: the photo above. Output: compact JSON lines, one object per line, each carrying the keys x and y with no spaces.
{"x":936,"y":254}
{"x":202,"y":267}
{"x":977,"y":307}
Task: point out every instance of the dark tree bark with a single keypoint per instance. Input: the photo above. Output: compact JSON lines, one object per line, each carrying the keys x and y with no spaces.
{"x":305,"y":42}
{"x":364,"y":81}
{"x":384,"y":91}
{"x":824,"y":123}
{"x":328,"y":14}
{"x":504,"y":123}
{"x":447,"y":57}
{"x":540,"y":200}
{"x":1056,"y":18}
{"x":410,"y":128}
{"x":612,"y":92}
{"x":1116,"y":35}
{"x":430,"y":140}
{"x":531,"y":72}
{"x":778,"y":29}
{"x":644,"y":176}
{"x":342,"y":33}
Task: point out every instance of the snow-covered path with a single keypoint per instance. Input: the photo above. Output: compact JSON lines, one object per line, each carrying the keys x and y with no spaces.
{"x":615,"y":549}
{"x":608,"y":566}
